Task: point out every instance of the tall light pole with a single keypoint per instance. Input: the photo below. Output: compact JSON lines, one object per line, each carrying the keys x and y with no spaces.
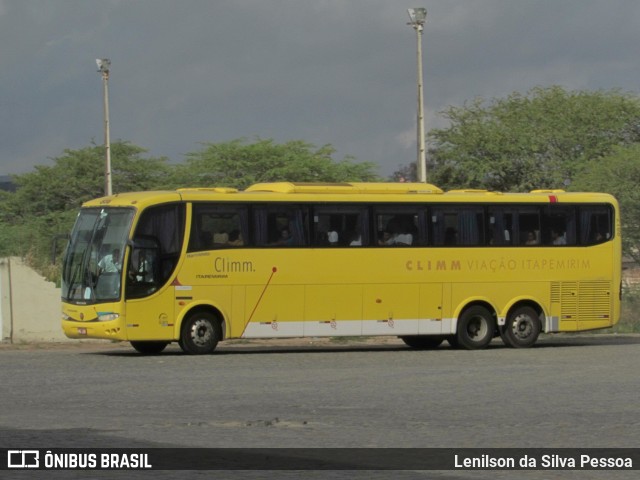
{"x":104,"y":64}
{"x":418,"y":17}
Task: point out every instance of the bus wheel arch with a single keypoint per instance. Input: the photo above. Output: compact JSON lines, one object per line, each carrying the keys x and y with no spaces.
{"x":522,"y":325}
{"x":201,"y":329}
{"x":476,"y":326}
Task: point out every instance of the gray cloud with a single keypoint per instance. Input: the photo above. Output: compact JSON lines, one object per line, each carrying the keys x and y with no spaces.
{"x":326,"y":71}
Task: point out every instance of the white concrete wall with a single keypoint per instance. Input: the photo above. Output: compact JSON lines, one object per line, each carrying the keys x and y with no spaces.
{"x":5,"y":299}
{"x":29,"y":305}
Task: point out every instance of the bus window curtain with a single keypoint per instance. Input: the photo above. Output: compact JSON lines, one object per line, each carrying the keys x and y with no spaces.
{"x":164,"y":223}
{"x":244,"y":224}
{"x":261,"y":226}
{"x":296,"y":225}
{"x":586,"y":234}
{"x":468,"y":232}
{"x":571,"y":229}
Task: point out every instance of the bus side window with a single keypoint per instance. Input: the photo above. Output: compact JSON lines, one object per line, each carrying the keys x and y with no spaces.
{"x":165,"y":224}
{"x":281,"y":226}
{"x":458,"y":226}
{"x":218,"y":226}
{"x":528,"y":225}
{"x":559,"y":225}
{"x":339,"y":226}
{"x":143,"y":270}
{"x":595,"y":224}
{"x":400,"y":226}
{"x":500,"y":227}
{"x":397,"y":231}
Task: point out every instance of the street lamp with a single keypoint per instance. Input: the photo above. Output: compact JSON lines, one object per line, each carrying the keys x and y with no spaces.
{"x":418,"y":17}
{"x":104,"y":65}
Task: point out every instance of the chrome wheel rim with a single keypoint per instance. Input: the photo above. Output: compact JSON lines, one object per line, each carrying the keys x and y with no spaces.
{"x":201,"y":332}
{"x":522,"y":327}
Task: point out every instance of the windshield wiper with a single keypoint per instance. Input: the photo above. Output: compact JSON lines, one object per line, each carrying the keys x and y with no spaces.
{"x":83,"y":270}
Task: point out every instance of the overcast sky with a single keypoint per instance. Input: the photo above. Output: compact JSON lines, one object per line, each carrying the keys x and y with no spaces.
{"x":340,"y":72}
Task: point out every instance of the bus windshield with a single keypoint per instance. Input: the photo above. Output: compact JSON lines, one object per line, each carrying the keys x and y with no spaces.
{"x":92,"y":267}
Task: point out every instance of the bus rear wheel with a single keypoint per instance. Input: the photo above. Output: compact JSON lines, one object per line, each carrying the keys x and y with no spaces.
{"x":200,"y":334}
{"x":424,"y":342}
{"x":149,"y":348}
{"x":521,"y":328}
{"x":476,"y":327}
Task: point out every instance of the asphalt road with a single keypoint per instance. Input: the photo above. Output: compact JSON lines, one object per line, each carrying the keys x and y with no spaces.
{"x":568,"y":391}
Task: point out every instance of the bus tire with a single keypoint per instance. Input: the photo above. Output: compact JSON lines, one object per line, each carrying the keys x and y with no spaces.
{"x":521,"y":328}
{"x":149,"y":348}
{"x":476,"y":327}
{"x":200,"y":333}
{"x":424,"y":342}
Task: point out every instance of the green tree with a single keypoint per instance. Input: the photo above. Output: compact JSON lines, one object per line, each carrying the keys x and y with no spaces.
{"x":47,"y":199}
{"x":239,"y":164}
{"x":537,"y":140}
{"x":78,"y":175}
{"x":619,"y":174}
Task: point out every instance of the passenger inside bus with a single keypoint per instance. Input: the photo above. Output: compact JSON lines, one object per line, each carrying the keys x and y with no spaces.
{"x":397,"y":233}
{"x":557,"y":238}
{"x":355,"y":239}
{"x":532,"y":238}
{"x":285,"y":238}
{"x":235,"y":239}
{"x":111,"y":263}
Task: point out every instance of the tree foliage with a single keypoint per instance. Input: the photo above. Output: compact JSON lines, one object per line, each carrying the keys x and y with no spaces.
{"x":619,"y":174}
{"x":47,"y":199}
{"x":240,"y":164}
{"x":77,"y":176}
{"x":547,"y":138}
{"x":539,"y":140}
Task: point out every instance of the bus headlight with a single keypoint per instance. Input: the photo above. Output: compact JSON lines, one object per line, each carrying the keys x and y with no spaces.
{"x":107,"y":316}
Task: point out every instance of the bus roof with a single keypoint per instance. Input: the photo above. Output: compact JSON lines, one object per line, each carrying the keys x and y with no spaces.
{"x":346,"y":188}
{"x":352,"y":192}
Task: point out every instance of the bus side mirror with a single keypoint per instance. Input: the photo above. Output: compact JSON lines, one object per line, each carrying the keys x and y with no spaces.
{"x":54,"y":245}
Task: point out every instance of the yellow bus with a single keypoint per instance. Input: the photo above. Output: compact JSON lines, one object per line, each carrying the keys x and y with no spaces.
{"x":198,"y":266}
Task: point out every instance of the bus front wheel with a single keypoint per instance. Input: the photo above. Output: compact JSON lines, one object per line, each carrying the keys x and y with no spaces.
{"x":476,"y":327}
{"x":199,"y":334}
{"x":522,"y":328}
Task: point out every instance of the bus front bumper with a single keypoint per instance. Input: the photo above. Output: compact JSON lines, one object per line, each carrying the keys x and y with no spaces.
{"x":110,"y":330}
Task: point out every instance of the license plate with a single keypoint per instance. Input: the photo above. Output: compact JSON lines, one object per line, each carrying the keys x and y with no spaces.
{"x":82,"y":331}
